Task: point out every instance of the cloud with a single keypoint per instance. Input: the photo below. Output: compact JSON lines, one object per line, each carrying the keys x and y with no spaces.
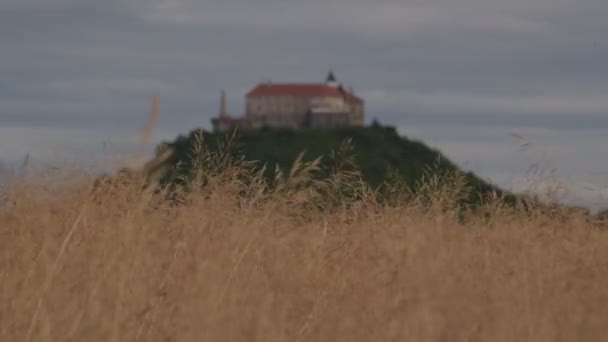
{"x":378,"y":18}
{"x":90,"y":145}
{"x":549,"y":101}
{"x":17,"y":141}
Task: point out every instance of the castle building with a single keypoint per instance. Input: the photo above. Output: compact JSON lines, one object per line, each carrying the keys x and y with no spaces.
{"x":295,"y":106}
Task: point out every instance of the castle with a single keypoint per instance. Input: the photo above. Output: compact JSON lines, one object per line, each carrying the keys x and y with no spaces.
{"x":295,"y":106}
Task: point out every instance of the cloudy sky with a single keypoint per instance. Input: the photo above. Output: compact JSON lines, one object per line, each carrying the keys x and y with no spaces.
{"x":505,"y":88}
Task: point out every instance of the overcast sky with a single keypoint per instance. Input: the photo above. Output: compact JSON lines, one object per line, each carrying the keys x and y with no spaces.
{"x":501,"y":87}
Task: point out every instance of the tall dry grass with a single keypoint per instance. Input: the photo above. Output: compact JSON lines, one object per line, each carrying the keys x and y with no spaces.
{"x":238,"y":258}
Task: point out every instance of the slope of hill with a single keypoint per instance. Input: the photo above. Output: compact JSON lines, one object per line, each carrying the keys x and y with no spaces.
{"x":377,"y":150}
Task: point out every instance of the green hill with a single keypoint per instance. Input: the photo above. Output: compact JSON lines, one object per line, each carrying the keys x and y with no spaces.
{"x":377,"y":150}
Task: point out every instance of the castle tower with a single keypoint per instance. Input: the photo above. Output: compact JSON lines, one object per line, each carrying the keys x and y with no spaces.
{"x":223,"y":121}
{"x":223,"y":105}
{"x":331,"y":79}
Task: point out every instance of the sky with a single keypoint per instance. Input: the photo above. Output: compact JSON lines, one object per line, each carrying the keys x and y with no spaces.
{"x":516,"y":91}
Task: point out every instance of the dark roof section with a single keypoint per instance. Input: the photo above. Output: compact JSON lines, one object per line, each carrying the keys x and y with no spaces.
{"x":331,"y":77}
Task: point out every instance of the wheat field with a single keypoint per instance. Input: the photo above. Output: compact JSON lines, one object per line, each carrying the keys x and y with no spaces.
{"x":230,"y":260}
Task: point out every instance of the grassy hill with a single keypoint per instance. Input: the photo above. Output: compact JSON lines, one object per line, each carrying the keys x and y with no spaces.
{"x":378,"y":151}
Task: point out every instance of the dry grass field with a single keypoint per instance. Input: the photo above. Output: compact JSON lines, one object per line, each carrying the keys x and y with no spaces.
{"x":228,"y":262}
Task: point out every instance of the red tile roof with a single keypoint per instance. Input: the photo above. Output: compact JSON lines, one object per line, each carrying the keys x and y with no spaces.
{"x":302,"y":89}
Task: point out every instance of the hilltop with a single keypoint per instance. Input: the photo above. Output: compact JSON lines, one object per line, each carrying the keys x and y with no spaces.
{"x":379,"y":152}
